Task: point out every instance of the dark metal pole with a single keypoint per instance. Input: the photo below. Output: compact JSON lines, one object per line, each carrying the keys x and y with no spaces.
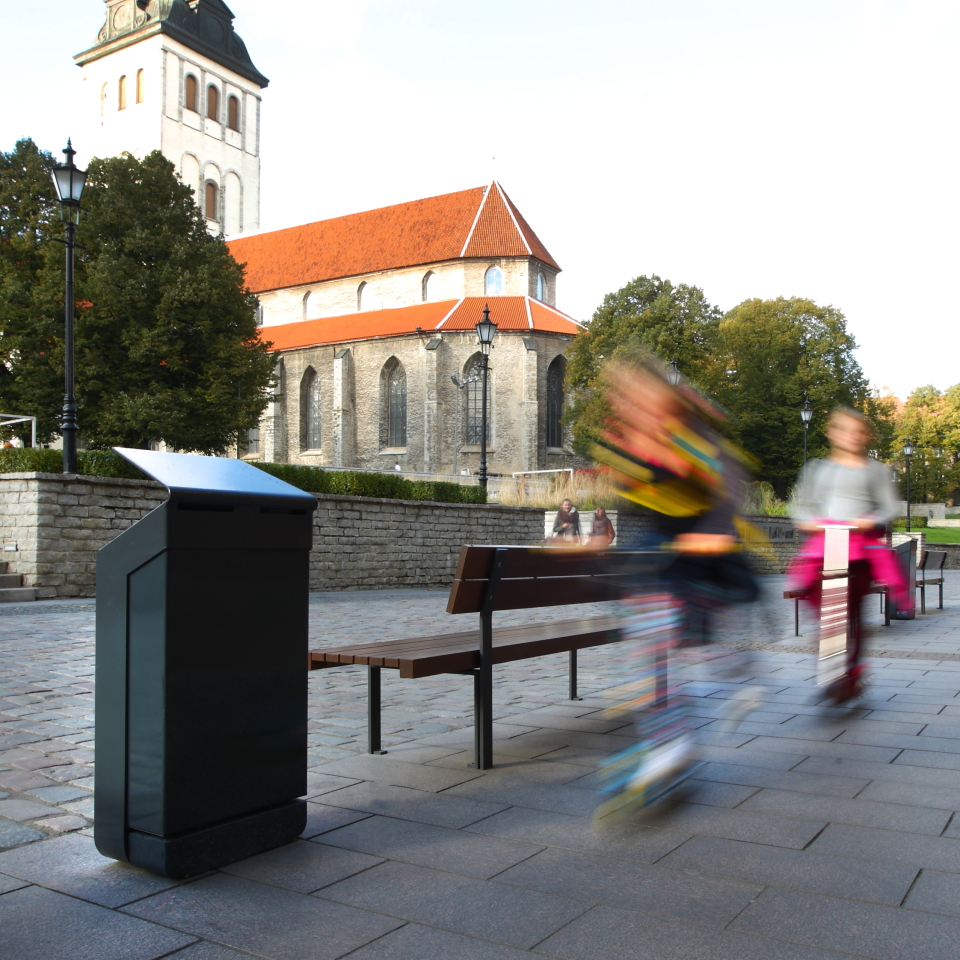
{"x":908,"y":493}
{"x":483,"y":427}
{"x":68,"y":428}
{"x":806,"y":429}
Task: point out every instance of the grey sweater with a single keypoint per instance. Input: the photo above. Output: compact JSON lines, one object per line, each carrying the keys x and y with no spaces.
{"x":832,"y":491}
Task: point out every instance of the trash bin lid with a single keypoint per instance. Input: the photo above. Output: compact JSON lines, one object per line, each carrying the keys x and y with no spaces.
{"x":193,"y":477}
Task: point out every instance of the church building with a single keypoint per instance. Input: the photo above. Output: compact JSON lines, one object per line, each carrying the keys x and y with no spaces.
{"x":372,"y":319}
{"x":371,"y":316}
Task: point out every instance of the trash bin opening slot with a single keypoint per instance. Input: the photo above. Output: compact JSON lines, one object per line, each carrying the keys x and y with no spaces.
{"x":212,"y":507}
{"x":285,"y":511}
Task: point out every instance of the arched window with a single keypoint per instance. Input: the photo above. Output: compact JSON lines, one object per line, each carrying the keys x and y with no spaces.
{"x":366,"y":297}
{"x":252,"y":441}
{"x":310,"y":409}
{"x":493,"y":282}
{"x":396,"y":403}
{"x":211,"y":201}
{"x":555,"y":375}
{"x":311,"y":305}
{"x":431,"y":283}
{"x":190,"y":93}
{"x":541,"y":286}
{"x":122,"y":94}
{"x":233,"y":113}
{"x":473,"y":373}
{"x":213,"y":102}
{"x":141,"y":83}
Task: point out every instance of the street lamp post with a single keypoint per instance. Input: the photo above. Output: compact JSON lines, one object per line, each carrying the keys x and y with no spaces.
{"x":69,"y":181}
{"x":486,"y":330}
{"x":806,"y":415}
{"x":673,"y":373}
{"x":907,"y":454}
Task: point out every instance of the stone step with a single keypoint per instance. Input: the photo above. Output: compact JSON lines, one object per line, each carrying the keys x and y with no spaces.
{"x":9,"y":580}
{"x":17,"y":594}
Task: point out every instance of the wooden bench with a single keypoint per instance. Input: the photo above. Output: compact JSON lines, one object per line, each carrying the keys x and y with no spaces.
{"x":490,"y":579}
{"x":797,"y":595}
{"x":932,"y":560}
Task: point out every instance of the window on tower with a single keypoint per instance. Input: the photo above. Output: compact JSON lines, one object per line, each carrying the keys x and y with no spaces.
{"x":211,"y":198}
{"x":122,"y":94}
{"x":213,"y":102}
{"x":493,"y":282}
{"x":140,"y":86}
{"x":103,"y":98}
{"x":233,"y":113}
{"x":190,"y":93}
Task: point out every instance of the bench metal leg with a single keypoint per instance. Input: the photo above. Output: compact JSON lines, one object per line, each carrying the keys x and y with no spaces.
{"x":483,"y":717}
{"x":923,"y":597}
{"x":373,"y":710}
{"x":573,"y":676}
{"x":796,"y":617}
{"x":886,"y":607}
{"x":941,"y":589}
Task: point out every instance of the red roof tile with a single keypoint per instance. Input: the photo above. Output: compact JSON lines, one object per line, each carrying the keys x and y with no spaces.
{"x":509,"y":313}
{"x":407,"y":234}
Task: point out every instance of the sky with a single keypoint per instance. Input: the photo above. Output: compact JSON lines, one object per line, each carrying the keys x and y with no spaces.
{"x":752,"y":148}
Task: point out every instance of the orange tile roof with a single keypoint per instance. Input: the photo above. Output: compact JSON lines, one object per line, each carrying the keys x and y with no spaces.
{"x":481,"y":222}
{"x":509,"y":313}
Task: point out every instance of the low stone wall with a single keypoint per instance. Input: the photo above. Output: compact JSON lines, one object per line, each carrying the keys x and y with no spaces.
{"x":782,"y":535}
{"x":51,"y":527}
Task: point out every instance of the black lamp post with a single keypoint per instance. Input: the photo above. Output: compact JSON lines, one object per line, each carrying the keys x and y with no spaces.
{"x":486,"y":330}
{"x":806,"y":415}
{"x":673,"y":373}
{"x":69,"y":181}
{"x":907,"y":454}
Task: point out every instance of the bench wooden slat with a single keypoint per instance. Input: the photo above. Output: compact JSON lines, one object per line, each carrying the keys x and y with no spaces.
{"x":453,"y":653}
{"x":466,"y":596}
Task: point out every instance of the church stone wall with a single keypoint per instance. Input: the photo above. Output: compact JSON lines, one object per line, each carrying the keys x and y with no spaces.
{"x":353,"y":403}
{"x":404,"y":288}
{"x":52,"y":526}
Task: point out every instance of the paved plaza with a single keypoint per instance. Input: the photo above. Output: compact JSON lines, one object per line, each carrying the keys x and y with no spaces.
{"x":810,"y":833}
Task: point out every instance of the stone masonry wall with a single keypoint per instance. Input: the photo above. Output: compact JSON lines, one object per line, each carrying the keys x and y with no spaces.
{"x":57,"y":524}
{"x":52,"y":526}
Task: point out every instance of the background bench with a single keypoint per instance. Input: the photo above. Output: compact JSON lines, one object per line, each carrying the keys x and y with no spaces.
{"x":931,"y":562}
{"x":490,"y":579}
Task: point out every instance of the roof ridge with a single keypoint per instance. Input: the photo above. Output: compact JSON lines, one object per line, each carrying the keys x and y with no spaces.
{"x":526,"y":303}
{"x":450,"y":313}
{"x":476,"y":220}
{"x":560,"y":313}
{"x":513,"y":219}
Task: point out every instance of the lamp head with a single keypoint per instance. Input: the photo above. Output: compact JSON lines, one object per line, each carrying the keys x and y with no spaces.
{"x":486,"y":330}
{"x":673,"y":373}
{"x":69,"y":181}
{"x":806,"y":411}
{"x":908,"y":448}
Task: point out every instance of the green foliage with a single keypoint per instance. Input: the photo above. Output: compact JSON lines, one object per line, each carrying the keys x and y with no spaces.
{"x":766,"y":354}
{"x":166,"y":336}
{"x":763,"y":501}
{"x":647,"y":315}
{"x":916,"y":523}
{"x":932,"y":420}
{"x":350,"y":483}
{"x":90,"y":463}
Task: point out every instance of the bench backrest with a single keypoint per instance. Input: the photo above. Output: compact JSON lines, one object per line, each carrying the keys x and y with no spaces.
{"x":541,"y":576}
{"x":932,"y":560}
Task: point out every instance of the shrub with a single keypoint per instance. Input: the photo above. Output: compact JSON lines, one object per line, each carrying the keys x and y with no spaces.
{"x":354,"y":483}
{"x":349,"y":483}
{"x":916,"y":523}
{"x":90,"y":463}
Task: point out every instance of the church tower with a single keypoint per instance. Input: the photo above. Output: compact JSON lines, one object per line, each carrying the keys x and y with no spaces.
{"x":173,"y":75}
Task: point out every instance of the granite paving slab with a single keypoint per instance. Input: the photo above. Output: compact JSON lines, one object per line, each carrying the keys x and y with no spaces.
{"x":262,"y":919}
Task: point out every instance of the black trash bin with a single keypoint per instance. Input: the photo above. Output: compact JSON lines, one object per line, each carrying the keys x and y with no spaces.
{"x":906,"y":553}
{"x":201,"y":679}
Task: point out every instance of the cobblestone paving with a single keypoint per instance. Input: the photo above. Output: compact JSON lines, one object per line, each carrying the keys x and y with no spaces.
{"x":810,"y":833}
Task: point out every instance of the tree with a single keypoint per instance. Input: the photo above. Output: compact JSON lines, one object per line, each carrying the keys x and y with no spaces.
{"x":167,"y":347}
{"x":931,"y":419}
{"x":766,"y":355}
{"x":648,"y":314}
